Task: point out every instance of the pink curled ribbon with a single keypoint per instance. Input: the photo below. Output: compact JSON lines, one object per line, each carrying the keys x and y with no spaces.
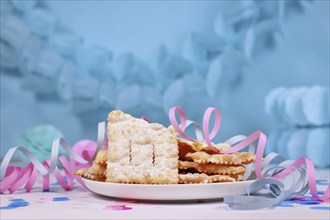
{"x":246,"y":142}
{"x":82,"y":153}
{"x":183,"y":125}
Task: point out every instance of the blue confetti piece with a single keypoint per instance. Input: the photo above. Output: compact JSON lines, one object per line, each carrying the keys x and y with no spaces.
{"x":60,"y":199}
{"x":322,"y":182}
{"x":307,"y":202}
{"x":288,"y":203}
{"x":16,"y":203}
{"x":284,"y":205}
{"x":17,"y":200}
{"x":321,"y":208}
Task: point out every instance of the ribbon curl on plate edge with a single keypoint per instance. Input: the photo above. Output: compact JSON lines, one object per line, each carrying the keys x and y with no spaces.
{"x":12,"y":178}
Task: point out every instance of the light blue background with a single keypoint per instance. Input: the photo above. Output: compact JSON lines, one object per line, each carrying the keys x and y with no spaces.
{"x":301,"y":58}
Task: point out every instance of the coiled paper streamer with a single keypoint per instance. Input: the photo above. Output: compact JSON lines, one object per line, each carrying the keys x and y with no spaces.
{"x":13,"y":178}
{"x":268,"y":174}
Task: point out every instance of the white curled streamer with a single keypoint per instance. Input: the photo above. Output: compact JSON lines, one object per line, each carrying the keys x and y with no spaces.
{"x":198,"y":130}
{"x":54,"y":154}
{"x":250,"y":202}
{"x":276,"y":190}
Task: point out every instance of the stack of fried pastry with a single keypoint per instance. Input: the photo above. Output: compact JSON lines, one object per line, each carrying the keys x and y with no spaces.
{"x":201,"y":164}
{"x":149,"y":153}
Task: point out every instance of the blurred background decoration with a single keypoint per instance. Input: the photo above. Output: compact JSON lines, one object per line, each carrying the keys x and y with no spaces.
{"x":69,"y":63}
{"x":37,"y":139}
{"x":305,"y":112}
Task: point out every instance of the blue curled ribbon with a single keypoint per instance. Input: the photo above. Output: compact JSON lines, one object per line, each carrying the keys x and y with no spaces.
{"x":273,"y":191}
{"x":250,"y":202}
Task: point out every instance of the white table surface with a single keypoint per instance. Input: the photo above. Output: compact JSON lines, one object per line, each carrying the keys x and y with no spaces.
{"x":83,"y":204}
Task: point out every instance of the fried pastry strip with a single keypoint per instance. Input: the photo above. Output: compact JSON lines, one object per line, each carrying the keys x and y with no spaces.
{"x":195,"y":178}
{"x":97,"y":170}
{"x":237,"y":158}
{"x":211,"y":168}
{"x":186,"y":146}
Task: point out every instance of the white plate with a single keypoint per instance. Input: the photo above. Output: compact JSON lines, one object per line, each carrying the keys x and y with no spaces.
{"x":169,"y":191}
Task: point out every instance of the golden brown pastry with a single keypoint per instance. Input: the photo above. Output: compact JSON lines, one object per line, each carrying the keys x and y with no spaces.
{"x":211,"y":168}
